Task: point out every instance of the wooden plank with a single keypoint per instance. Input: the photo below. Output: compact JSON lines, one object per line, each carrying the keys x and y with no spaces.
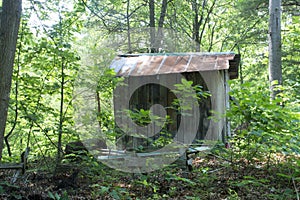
{"x":128,"y":155}
{"x":198,"y":149}
{"x":153,"y":154}
{"x":21,"y":165}
{"x":12,"y":166}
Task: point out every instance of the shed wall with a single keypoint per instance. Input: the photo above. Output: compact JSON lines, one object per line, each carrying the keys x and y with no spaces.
{"x":211,"y":125}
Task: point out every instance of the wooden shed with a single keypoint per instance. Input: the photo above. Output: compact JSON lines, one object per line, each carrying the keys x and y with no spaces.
{"x":150,"y":79}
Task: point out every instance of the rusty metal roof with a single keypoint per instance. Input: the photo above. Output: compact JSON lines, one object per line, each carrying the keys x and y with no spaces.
{"x":153,"y":64}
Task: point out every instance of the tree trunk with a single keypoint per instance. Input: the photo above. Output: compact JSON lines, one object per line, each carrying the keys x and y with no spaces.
{"x":196,"y":25}
{"x":159,"y":35}
{"x":156,"y":38}
{"x":62,"y":96}
{"x":61,"y":113}
{"x":152,"y":25}
{"x":275,"y":69}
{"x":9,"y":27}
{"x":128,"y":28}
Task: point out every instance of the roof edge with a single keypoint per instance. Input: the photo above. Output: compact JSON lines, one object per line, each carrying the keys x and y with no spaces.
{"x":180,"y":54}
{"x":234,"y":66}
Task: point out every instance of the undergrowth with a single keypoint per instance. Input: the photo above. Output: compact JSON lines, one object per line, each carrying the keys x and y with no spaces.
{"x":262,"y":163}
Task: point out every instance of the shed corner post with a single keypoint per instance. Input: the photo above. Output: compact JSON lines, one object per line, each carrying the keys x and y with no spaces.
{"x":227,"y":131}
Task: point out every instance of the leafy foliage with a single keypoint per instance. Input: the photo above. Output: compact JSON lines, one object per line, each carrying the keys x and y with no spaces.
{"x":266,"y":133}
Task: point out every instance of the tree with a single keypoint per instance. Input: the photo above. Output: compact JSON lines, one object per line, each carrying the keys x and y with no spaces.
{"x":200,"y":20}
{"x":156,"y":39}
{"x":63,"y":60}
{"x":275,"y":69}
{"x":9,"y":27}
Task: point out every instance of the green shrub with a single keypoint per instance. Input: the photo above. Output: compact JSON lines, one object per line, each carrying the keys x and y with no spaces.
{"x":262,"y":127}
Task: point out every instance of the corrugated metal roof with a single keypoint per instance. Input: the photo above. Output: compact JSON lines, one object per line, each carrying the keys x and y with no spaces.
{"x":152,"y":64}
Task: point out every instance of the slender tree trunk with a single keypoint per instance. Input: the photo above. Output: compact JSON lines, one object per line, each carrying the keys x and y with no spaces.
{"x":196,"y":25}
{"x":128,"y":27}
{"x":62,"y":97}
{"x":61,"y":114}
{"x":207,"y":18}
{"x":156,"y":38}
{"x":98,"y":107}
{"x":9,"y":27}
{"x":200,"y":21}
{"x":275,"y":69}
{"x":152,"y":25}
{"x":161,"y":21}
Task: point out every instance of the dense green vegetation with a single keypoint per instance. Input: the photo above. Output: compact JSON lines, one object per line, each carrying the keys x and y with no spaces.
{"x":65,"y":47}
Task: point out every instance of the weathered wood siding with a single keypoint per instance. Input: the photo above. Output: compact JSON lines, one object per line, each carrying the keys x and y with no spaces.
{"x":147,"y":95}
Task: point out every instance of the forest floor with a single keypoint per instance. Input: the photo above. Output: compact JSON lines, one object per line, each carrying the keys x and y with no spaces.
{"x":213,"y":177}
